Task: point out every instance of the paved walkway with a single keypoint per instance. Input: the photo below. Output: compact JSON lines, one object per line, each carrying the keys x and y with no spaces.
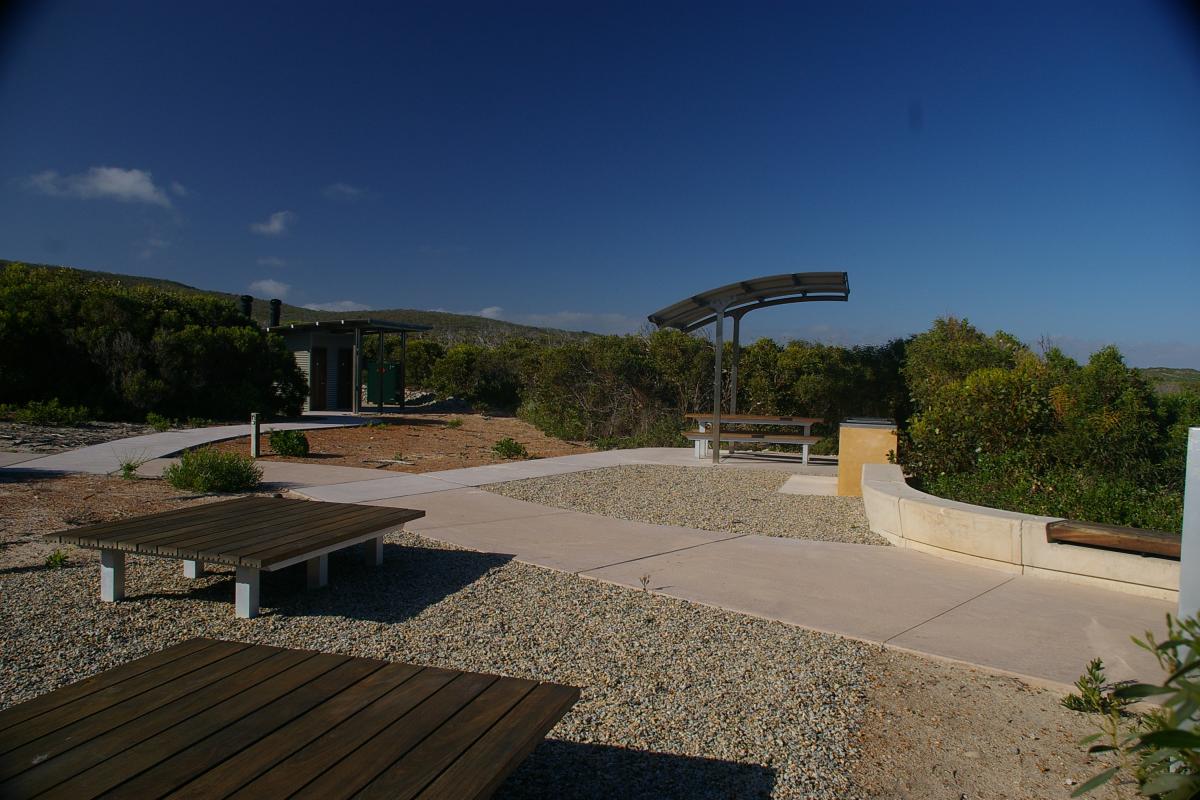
{"x":1028,"y":626}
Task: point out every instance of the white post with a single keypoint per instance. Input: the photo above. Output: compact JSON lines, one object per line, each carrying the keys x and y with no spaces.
{"x":193,"y":569}
{"x":254,"y":436}
{"x":112,"y":575}
{"x":1189,"y":561}
{"x":318,"y":571}
{"x":246,"y":592}
{"x":374,"y":551}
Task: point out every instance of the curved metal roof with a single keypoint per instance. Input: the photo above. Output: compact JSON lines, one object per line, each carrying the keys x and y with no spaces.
{"x":738,"y":299}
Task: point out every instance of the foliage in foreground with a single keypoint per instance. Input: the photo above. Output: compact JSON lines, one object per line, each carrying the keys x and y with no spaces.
{"x":57,"y":560}
{"x":1096,"y":695}
{"x":293,"y":444}
{"x":509,"y":447}
{"x":1160,"y":751}
{"x":210,"y":470}
{"x":50,"y":413}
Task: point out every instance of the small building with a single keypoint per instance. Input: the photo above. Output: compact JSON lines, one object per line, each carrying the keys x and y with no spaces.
{"x":329,"y":353}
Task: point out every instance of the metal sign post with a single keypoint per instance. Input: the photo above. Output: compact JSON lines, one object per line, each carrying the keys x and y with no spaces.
{"x":1189,"y":559}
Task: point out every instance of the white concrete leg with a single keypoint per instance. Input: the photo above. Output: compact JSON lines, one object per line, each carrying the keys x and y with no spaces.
{"x":246,"y":595}
{"x":193,"y":569}
{"x":374,"y":551}
{"x":318,"y":571}
{"x":112,"y":575}
{"x":804,"y":448}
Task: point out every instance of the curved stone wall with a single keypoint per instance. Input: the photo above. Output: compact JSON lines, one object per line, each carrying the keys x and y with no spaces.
{"x":1003,"y":540}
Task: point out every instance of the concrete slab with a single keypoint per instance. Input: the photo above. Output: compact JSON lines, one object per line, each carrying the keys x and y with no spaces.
{"x":1034,"y":626}
{"x":567,"y":541}
{"x":810,"y":484}
{"x":862,"y":591}
{"x":101,"y":459}
{"x":399,"y":485}
{"x":464,"y":507}
{"x":17,"y":458}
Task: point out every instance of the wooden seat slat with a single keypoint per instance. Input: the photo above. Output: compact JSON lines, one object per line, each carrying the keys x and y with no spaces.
{"x":315,"y":758}
{"x":1115,"y":537}
{"x":247,"y":765}
{"x":107,"y":697}
{"x":269,"y":722}
{"x":148,"y":542}
{"x":141,"y":711}
{"x":107,"y":745}
{"x":138,"y":528}
{"x":67,"y":694}
{"x":749,"y":436}
{"x":756,"y":419}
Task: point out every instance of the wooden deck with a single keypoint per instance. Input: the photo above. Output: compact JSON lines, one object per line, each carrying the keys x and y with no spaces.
{"x":250,"y":533}
{"x":213,"y":719}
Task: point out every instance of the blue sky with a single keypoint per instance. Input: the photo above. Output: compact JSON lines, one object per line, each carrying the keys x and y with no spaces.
{"x":1031,"y":166}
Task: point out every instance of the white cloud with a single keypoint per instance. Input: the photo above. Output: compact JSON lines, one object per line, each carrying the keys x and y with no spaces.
{"x":152,"y":246}
{"x":342,"y":191}
{"x":271,"y":261}
{"x":178,"y":189}
{"x":338,"y":305}
{"x":268,"y":287}
{"x":275,"y":225}
{"x":491,"y":312}
{"x":114,"y":183}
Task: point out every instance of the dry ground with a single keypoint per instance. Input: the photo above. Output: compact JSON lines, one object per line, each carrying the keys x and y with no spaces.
{"x":429,"y":442}
{"x":929,"y":729}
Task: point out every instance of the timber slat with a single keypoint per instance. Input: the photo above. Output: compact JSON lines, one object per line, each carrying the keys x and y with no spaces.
{"x":756,"y":419}
{"x":750,"y":436}
{"x":1115,"y":537}
{"x":60,"y":697}
{"x":252,"y":721}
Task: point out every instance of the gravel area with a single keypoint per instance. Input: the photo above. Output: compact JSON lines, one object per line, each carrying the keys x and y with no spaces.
{"x":18,"y":437}
{"x":740,"y":501}
{"x":678,"y":700}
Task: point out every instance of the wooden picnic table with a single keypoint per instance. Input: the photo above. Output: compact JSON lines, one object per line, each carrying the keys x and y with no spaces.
{"x":253,"y":534}
{"x":215,"y":719}
{"x":805,"y":439}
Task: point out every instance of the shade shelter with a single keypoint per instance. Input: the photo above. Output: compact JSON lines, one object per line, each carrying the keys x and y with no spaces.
{"x":736,"y":301}
{"x":329,"y":353}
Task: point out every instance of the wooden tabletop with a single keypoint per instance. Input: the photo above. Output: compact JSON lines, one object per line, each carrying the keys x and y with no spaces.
{"x":757,"y":419}
{"x":260,"y":532}
{"x":214,"y":719}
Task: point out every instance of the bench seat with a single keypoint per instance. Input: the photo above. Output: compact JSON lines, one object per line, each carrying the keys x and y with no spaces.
{"x":702,"y":438}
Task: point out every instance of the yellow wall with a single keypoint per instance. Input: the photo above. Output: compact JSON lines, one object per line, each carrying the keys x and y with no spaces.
{"x":858,"y":445}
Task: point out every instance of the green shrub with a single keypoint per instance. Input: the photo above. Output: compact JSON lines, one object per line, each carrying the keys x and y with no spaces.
{"x":159,"y":422}
{"x":1159,"y":751}
{"x":130,"y":465}
{"x":293,"y":444}
{"x":57,"y":560}
{"x":1096,"y":695}
{"x":211,"y":470}
{"x":454,"y":422}
{"x":51,"y":413}
{"x":510,"y":448}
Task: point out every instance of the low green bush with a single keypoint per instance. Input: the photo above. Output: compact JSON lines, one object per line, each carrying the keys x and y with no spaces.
{"x":57,"y":560}
{"x":510,"y":448}
{"x":293,"y":444}
{"x":454,"y":422}
{"x":159,"y":422}
{"x":210,"y":470}
{"x":51,"y":413}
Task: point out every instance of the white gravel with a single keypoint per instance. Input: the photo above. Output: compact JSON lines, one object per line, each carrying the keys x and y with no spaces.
{"x":678,"y":700}
{"x":740,"y":501}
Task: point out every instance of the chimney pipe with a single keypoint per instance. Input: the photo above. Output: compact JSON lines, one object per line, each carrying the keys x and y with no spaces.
{"x":247,"y":305}
{"x":276,"y":306}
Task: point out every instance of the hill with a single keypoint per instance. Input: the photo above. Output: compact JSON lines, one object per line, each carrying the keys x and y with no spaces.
{"x":1169,"y":380}
{"x":446,"y":327}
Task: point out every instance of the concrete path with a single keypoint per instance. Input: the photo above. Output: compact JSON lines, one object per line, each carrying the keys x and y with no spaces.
{"x":101,"y":459}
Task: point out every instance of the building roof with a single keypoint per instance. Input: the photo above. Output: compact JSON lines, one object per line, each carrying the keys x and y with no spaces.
{"x":350,"y":325}
{"x":738,"y":299}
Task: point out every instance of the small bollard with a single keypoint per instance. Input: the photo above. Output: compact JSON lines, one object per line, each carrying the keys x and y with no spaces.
{"x":254,"y":435}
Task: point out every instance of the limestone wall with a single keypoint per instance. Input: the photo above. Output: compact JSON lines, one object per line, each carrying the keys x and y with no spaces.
{"x":1003,"y":540}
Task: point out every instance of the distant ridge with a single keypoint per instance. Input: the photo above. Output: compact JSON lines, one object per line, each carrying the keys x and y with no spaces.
{"x":445,"y":326}
{"x":1169,"y":380}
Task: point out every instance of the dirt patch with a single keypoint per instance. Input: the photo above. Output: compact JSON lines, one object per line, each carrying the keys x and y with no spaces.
{"x":19,"y":437}
{"x":427,"y":442}
{"x":31,"y":506}
{"x":938,"y":730}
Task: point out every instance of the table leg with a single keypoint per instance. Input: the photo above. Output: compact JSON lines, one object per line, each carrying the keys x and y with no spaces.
{"x":804,"y":447}
{"x":318,"y":571}
{"x":193,"y":569}
{"x":701,"y":444}
{"x":112,"y":575}
{"x":246,"y":593}
{"x":374,"y":551}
